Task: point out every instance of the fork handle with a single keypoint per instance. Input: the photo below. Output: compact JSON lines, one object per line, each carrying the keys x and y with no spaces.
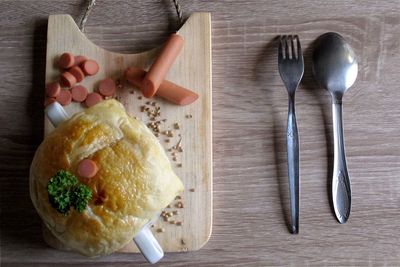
{"x":292,"y":142}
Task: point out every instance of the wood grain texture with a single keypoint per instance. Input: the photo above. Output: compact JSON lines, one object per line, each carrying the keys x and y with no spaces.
{"x":249,"y":121}
{"x":192,"y":69}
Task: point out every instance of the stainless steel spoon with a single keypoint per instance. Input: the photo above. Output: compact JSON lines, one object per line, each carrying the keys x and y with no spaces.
{"x":335,"y":68}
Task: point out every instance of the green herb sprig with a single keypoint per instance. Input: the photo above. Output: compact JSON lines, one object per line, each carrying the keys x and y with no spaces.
{"x":65,"y":192}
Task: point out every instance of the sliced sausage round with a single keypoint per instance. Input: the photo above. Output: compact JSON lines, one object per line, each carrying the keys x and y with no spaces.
{"x":64,"y":98}
{"x":77,"y":72}
{"x":90,"y":67}
{"x":87,"y":168}
{"x":79,"y":93}
{"x":67,"y":60}
{"x":79,"y":60}
{"x":53,"y":89}
{"x":67,"y":79}
{"x":92,"y":99}
{"x":107,"y":87}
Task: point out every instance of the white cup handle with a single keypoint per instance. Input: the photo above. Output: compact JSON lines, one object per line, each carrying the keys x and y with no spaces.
{"x":145,"y":239}
{"x":56,"y":113}
{"x":148,"y":245}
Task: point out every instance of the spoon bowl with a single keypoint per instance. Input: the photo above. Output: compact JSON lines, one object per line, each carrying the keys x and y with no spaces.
{"x":335,"y":67}
{"x":335,"y":64}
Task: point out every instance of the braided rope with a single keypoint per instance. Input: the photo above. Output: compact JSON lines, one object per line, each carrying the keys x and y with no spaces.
{"x":178,"y":10}
{"x":86,"y":14}
{"x":92,"y":3}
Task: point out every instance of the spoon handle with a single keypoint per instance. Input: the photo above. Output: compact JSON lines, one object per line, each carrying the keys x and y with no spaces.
{"x":341,"y":190}
{"x":292,"y":142}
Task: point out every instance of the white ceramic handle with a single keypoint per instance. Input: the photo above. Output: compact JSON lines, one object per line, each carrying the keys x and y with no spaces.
{"x":148,"y":245}
{"x":56,"y":113}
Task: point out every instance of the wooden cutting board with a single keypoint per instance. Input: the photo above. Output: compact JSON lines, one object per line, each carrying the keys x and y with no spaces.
{"x":192,"y":69}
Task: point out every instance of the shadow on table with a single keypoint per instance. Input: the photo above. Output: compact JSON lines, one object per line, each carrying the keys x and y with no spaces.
{"x":20,"y":224}
{"x":310,"y":84}
{"x":267,"y":58}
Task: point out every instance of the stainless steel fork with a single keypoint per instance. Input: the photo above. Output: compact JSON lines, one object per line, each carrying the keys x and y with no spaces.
{"x":291,"y":69}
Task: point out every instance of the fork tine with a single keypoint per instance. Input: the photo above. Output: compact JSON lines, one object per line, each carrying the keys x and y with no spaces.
{"x":280,"y":49}
{"x":299,"y":54}
{"x":286,"y":47}
{"x":294,"y":54}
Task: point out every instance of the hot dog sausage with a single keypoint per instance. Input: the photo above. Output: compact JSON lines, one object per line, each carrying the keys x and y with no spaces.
{"x":161,"y":65}
{"x":167,"y":90}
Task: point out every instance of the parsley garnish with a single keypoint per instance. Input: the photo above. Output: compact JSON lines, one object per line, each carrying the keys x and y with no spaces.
{"x":65,"y":192}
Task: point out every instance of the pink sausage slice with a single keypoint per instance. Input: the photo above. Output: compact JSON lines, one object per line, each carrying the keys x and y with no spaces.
{"x":66,"y":60}
{"x":90,"y":67}
{"x":67,"y":79}
{"x":87,"y":168}
{"x":79,"y":60}
{"x":107,"y":87}
{"x":77,"y":72}
{"x":92,"y":99}
{"x":64,"y":98}
{"x":79,"y":93}
{"x":53,"y":89}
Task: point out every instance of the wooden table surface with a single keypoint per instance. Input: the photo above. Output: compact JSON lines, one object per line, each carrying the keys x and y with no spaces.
{"x":249,"y":121}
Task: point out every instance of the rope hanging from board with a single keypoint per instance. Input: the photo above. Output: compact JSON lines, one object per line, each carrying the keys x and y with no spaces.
{"x":92,"y":3}
{"x":178,"y":11}
{"x":86,"y":14}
